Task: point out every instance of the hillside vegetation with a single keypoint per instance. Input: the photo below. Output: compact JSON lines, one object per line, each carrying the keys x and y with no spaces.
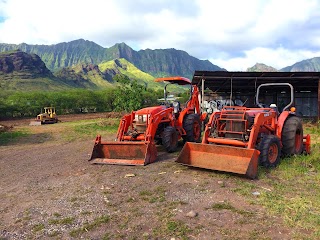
{"x":27,"y":72}
{"x":21,"y":71}
{"x":157,"y":62}
{"x":122,"y":66}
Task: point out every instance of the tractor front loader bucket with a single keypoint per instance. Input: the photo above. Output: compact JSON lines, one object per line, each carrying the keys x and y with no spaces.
{"x":123,"y":152}
{"x":221,"y":158}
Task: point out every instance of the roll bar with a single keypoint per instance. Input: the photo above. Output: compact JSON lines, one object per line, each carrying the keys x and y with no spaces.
{"x":276,"y":84}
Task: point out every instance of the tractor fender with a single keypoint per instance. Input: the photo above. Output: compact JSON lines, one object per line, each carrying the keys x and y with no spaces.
{"x":182,"y":115}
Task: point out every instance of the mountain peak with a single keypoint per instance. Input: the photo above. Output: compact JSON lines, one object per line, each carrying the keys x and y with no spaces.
{"x":23,"y":63}
{"x":261,"y":67}
{"x":122,"y":46}
{"x":308,"y":65}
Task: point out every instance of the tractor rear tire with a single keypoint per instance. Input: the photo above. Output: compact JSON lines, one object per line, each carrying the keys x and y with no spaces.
{"x":292,"y":136}
{"x":269,"y":151}
{"x":192,"y":126}
{"x":170,"y":139}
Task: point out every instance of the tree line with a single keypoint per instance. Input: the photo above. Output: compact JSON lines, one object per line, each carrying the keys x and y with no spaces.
{"x":127,"y":96}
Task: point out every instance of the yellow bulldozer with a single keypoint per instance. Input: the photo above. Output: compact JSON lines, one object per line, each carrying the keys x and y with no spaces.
{"x":48,"y":116}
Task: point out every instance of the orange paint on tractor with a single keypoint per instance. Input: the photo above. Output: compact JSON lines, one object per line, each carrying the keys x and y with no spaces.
{"x":139,"y":131}
{"x":236,"y":139}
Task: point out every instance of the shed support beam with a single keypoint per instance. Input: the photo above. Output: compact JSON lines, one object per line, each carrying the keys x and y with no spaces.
{"x":318,"y":100}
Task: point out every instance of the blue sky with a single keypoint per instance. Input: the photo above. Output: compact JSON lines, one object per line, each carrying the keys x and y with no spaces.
{"x":232,"y":34}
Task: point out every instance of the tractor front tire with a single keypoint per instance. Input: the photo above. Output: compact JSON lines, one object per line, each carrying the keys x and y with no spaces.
{"x":269,"y":151}
{"x":170,"y":139}
{"x":192,"y":126}
{"x":292,"y":136}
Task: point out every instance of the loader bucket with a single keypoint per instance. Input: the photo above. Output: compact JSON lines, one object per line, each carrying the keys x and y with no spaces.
{"x":123,"y":153}
{"x":35,"y":123}
{"x":221,"y":158}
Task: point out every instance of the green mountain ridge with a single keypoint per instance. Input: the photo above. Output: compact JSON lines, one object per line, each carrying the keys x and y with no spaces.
{"x":159,"y":62}
{"x":84,"y":76}
{"x":308,"y":65}
{"x":23,"y":71}
{"x":101,"y":76}
{"x":122,"y":66}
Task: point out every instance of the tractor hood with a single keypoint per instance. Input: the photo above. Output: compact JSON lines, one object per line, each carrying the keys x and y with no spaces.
{"x":150,"y":110}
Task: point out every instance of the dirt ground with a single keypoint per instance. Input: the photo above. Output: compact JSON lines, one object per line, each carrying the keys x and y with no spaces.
{"x":63,"y":118}
{"x":49,"y":190}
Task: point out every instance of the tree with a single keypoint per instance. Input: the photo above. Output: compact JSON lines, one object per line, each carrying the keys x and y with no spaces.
{"x":129,"y":95}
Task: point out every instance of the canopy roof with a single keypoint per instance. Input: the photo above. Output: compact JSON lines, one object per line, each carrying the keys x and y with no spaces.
{"x":220,"y":81}
{"x":175,"y":80}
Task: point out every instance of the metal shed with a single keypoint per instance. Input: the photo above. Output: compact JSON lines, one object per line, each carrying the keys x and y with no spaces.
{"x":243,"y":85}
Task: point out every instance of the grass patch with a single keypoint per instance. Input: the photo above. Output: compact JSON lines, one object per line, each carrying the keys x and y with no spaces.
{"x":312,"y":129}
{"x":86,"y":213}
{"x":228,"y":206}
{"x":90,"y":226}
{"x":244,"y":188}
{"x":178,"y":228}
{"x":156,"y":195}
{"x":63,"y":221}
{"x":221,"y":206}
{"x":12,"y":136}
{"x":257,"y":234}
{"x":57,"y":214}
{"x":75,"y":130}
{"x":145,"y":193}
{"x":38,"y":227}
{"x":174,"y":228}
{"x":106,"y":125}
{"x":170,"y":227}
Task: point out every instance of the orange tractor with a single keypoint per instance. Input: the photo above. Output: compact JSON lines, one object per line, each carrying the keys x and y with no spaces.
{"x":237,"y":139}
{"x":140,"y":131}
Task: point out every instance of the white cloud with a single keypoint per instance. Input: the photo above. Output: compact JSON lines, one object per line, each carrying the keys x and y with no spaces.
{"x":230,"y":33}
